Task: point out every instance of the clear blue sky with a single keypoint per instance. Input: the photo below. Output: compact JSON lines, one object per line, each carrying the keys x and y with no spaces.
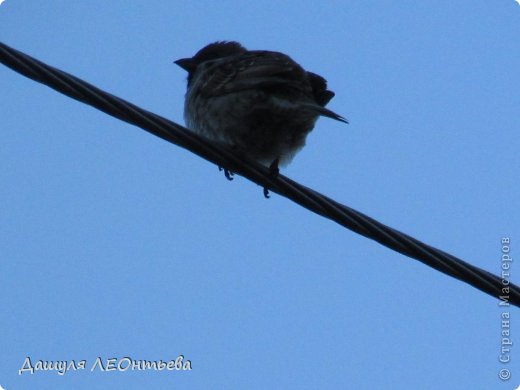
{"x":114,"y":243}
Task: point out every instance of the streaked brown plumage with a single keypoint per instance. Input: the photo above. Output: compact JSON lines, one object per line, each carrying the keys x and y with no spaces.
{"x":260,"y":103}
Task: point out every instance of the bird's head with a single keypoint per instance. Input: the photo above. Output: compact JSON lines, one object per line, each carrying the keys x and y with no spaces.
{"x":210,"y":52}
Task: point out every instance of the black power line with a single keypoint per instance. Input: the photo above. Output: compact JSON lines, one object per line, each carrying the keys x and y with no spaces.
{"x":306,"y":197}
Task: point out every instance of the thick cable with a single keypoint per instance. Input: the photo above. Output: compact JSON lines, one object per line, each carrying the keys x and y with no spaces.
{"x":312,"y":200}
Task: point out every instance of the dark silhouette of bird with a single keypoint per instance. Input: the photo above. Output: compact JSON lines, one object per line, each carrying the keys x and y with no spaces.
{"x":262,"y":104}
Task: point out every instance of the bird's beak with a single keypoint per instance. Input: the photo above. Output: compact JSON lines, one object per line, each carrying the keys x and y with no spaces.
{"x":188,"y":64}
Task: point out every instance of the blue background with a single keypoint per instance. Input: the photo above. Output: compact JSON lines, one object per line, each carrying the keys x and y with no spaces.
{"x":115,"y":243}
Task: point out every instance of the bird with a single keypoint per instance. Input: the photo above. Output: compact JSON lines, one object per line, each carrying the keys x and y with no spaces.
{"x":262,"y":104}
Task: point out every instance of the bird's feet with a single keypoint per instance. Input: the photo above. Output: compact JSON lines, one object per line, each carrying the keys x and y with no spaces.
{"x":274,"y":171}
{"x":227,"y":173}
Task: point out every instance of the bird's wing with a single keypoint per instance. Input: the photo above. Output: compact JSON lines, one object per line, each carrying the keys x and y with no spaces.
{"x":273,"y":72}
{"x":319,"y":89}
{"x":256,"y":70}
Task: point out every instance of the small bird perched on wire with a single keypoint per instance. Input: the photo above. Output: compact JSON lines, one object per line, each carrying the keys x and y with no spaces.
{"x":260,"y":103}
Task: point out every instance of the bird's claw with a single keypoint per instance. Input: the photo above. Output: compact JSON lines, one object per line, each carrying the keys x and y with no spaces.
{"x":227,"y":173}
{"x":274,"y":171}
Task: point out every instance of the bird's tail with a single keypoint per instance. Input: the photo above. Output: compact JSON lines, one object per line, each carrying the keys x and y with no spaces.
{"x":325,"y":112}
